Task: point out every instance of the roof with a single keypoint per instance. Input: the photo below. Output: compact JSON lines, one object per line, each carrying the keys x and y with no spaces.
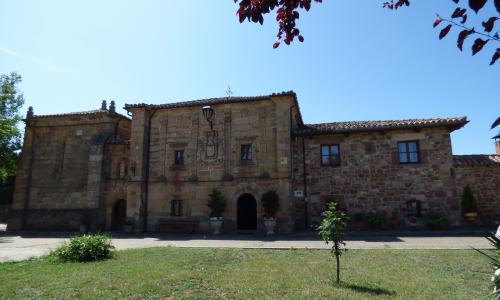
{"x":359,"y":126}
{"x":477,"y":160}
{"x":496,"y":136}
{"x":81,"y":113}
{"x":215,"y":101}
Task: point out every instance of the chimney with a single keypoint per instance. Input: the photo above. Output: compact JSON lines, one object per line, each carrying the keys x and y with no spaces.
{"x":104,"y":105}
{"x":112,"y":107}
{"x":29,"y":114}
{"x":497,"y":143}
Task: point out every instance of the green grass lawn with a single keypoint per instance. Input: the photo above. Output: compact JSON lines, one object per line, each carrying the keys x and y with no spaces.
{"x":176,"y":273}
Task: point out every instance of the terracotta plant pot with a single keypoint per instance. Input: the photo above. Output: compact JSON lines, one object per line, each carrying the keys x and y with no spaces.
{"x":215,"y":224}
{"x":269,"y":223}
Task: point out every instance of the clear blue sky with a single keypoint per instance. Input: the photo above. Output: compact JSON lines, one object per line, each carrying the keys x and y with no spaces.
{"x":358,"y":62}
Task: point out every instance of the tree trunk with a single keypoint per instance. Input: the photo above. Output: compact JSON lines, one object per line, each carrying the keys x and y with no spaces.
{"x":338,"y":268}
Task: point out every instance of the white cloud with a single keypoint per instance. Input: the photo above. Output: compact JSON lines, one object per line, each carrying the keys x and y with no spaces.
{"x":32,"y":59}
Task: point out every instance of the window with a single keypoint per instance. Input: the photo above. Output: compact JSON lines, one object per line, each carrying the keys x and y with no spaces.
{"x":408,"y":152}
{"x":246,"y":152}
{"x":330,"y":155}
{"x":179,"y":158}
{"x":176,"y":209}
{"x":413,"y":208}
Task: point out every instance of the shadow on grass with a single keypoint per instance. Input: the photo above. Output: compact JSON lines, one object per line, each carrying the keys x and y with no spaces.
{"x":368,"y":290}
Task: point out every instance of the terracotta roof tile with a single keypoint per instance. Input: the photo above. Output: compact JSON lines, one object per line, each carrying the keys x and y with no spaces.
{"x":81,"y":113}
{"x":215,"y":101}
{"x":208,"y":101}
{"x":477,"y":160}
{"x":352,"y":126}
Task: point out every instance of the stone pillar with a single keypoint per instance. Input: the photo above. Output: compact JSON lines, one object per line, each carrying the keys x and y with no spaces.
{"x":95,"y":188}
{"x":136,"y":184}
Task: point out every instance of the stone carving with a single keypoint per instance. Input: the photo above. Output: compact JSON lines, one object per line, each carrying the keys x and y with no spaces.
{"x":211,"y":148}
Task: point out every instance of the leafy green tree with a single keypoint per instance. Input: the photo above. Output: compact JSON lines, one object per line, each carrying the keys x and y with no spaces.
{"x":11,"y":100}
{"x":332,"y":229}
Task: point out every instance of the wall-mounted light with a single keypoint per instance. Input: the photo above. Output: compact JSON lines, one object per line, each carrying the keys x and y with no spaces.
{"x":208,"y":112}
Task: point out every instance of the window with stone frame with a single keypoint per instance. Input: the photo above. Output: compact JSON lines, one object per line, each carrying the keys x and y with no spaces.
{"x":176,"y":208}
{"x":330,"y":155}
{"x":409,"y":152}
{"x":246,"y":152}
{"x":179,"y":158}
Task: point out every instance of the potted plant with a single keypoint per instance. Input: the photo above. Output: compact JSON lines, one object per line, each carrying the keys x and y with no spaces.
{"x":217,"y":204}
{"x":376,"y":220}
{"x":270,"y":203}
{"x":436,"y":221}
{"x":359,"y":220}
{"x":469,"y":205}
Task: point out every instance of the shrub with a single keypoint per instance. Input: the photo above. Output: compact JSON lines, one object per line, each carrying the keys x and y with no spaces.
{"x":436,"y":221}
{"x":376,"y":220}
{"x":271,"y":203}
{"x":217,"y":204}
{"x":84,"y":248}
{"x":468,"y":200}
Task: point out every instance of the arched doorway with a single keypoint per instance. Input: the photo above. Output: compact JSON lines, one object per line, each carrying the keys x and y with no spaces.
{"x":119,"y":215}
{"x":247,"y":212}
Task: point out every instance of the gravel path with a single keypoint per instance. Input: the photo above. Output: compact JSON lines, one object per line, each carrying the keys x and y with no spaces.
{"x":20,"y":247}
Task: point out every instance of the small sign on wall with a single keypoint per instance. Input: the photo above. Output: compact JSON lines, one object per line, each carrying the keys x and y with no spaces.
{"x":298,"y":193}
{"x":284,"y":160}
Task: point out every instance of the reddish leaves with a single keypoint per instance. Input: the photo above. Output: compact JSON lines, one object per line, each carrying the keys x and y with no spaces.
{"x":462,"y":36}
{"x":459,"y":12}
{"x":478,"y":45}
{"x":437,"y":22}
{"x":286,"y":15}
{"x":488,"y":25}
{"x":444,"y":31}
{"x":395,"y":4}
{"x":495,"y":57}
{"x":476,"y":5}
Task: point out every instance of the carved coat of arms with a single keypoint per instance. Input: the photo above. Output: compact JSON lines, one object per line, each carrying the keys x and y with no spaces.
{"x":210,"y":147}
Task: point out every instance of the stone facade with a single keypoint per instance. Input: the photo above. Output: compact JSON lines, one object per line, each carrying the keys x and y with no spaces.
{"x":482,"y":174}
{"x":61,"y":181}
{"x":154,"y":171}
{"x":371,"y":178}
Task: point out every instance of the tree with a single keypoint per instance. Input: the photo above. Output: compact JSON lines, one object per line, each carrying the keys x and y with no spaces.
{"x":11,"y":100}
{"x":332,"y":230}
{"x":288,"y":12}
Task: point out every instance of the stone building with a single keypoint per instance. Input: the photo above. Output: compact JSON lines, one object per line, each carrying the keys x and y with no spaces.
{"x":153,"y":170}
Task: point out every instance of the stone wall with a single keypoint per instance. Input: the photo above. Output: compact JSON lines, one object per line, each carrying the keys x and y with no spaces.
{"x":485,"y":183}
{"x":60,"y":170}
{"x":370,"y":177}
{"x":212,"y":159}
